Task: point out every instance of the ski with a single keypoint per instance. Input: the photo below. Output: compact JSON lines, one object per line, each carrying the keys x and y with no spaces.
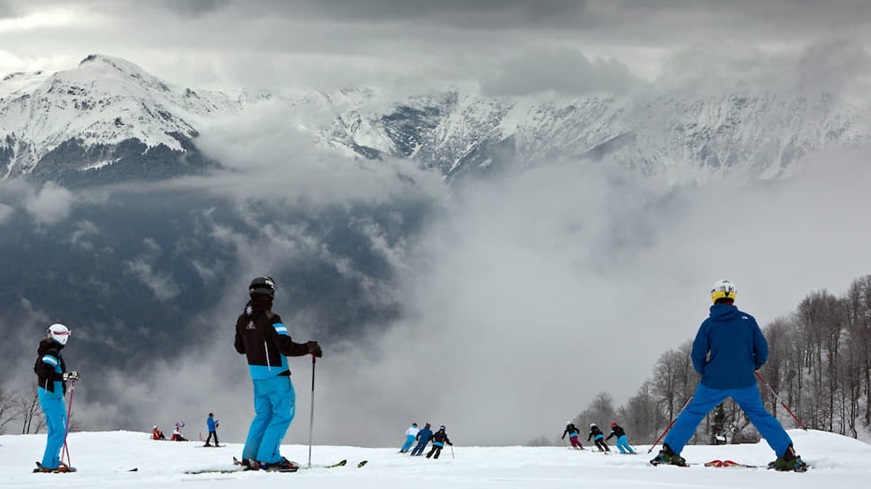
{"x":364,"y":462}
{"x":729,"y":463}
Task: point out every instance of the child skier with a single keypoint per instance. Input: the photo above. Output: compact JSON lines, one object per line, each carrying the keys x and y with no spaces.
{"x":598,"y":438}
{"x":52,"y":378}
{"x":438,"y":442}
{"x":410,"y":436}
{"x":422,"y":437}
{"x":176,"y":433}
{"x":573,"y":432}
{"x":622,"y":441}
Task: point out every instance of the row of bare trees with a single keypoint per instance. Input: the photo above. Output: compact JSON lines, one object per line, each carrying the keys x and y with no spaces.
{"x":21,"y":407}
{"x":819,"y":364}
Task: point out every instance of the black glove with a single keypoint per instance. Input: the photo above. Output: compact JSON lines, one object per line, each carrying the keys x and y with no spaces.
{"x":314,"y":348}
{"x":71,"y":375}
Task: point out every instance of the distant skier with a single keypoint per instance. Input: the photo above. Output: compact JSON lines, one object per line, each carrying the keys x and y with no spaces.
{"x":727,"y":349}
{"x":438,"y":442}
{"x":156,"y":434}
{"x":573,"y":432}
{"x":422,"y":438}
{"x":598,"y":438}
{"x":622,"y":441}
{"x":262,"y":337}
{"x":52,"y":377}
{"x":410,"y":436}
{"x":212,"y":426}
{"x":176,"y":433}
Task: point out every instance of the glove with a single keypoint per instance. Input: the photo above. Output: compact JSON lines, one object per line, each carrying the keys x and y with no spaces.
{"x":314,"y":348}
{"x":71,"y":375}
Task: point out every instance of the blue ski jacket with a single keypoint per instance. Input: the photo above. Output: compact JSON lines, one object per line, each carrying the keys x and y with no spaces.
{"x":728,"y":348}
{"x":424,"y":435}
{"x":211,"y":424}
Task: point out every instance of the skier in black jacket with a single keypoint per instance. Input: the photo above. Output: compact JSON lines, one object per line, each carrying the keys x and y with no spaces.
{"x":438,"y":442}
{"x":52,"y":380}
{"x":622,"y":441}
{"x":263,"y":339}
{"x":598,"y":437}
{"x":573,"y":432}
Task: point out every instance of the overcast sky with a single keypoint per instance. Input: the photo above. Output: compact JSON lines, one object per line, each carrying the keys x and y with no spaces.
{"x":494,"y":45}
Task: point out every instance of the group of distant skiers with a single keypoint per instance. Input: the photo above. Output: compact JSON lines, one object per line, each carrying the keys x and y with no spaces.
{"x":423,"y":436}
{"x":598,"y":437}
{"x":211,"y":426}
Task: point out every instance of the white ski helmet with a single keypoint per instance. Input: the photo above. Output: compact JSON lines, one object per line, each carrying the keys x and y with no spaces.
{"x":592,"y":424}
{"x":723,"y":289}
{"x":58,"y":332}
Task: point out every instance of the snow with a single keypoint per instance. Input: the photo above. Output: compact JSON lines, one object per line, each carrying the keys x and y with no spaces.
{"x":104,"y":459}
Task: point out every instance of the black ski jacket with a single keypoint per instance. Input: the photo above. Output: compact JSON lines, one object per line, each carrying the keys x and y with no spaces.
{"x":616,"y":431}
{"x":570,"y":430}
{"x":46,"y":373}
{"x":594,"y":432}
{"x":441,"y":437}
{"x":263,"y":339}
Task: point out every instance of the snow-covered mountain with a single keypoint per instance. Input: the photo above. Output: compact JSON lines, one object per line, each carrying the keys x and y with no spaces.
{"x":109,"y":120}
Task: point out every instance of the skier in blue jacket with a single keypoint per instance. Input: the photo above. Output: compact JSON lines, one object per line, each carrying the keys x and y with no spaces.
{"x":263,"y":339}
{"x":729,"y":347}
{"x":52,"y":377}
{"x":423,"y":437}
{"x":212,"y":425}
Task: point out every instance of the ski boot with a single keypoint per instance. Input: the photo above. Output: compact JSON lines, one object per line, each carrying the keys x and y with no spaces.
{"x":668,"y":457}
{"x":789,"y":462}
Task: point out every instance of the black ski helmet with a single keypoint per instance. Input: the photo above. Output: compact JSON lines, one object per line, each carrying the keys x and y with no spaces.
{"x":262,"y":286}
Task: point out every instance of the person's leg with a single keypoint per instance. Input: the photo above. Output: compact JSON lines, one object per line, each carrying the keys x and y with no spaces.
{"x":704,"y":400}
{"x":283,"y":399}
{"x":55,"y":422}
{"x":263,"y":413}
{"x":768,"y":426}
{"x":437,"y":453}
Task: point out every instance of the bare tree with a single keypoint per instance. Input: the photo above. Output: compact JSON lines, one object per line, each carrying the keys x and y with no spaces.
{"x":31,"y":413}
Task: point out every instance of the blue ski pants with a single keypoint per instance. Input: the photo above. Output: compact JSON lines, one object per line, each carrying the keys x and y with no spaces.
{"x":705,"y":399}
{"x":418,"y":449}
{"x":275,"y":406}
{"x":56,"y":423}
{"x":623,"y":445}
{"x":409,"y":440}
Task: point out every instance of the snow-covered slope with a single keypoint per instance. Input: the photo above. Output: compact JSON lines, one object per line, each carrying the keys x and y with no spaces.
{"x":109,"y":112}
{"x":104,"y":459}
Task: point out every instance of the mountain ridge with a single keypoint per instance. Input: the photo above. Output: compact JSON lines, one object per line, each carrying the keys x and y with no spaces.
{"x":76,"y":125}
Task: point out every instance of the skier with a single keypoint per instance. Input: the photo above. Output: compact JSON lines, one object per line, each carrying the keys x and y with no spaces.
{"x":573,"y":432}
{"x":438,"y":442}
{"x":156,"y":434}
{"x":212,"y":425}
{"x":598,"y":438}
{"x":262,"y":338}
{"x":410,"y":435}
{"x":422,"y":438}
{"x":176,"y":433}
{"x":727,"y":349}
{"x":622,"y":441}
{"x":52,"y":376}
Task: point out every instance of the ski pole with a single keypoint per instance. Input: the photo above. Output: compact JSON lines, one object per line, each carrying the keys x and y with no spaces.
{"x":452,"y":452}
{"x":780,"y":400}
{"x":66,"y":449}
{"x":669,"y":425}
{"x":311,"y":422}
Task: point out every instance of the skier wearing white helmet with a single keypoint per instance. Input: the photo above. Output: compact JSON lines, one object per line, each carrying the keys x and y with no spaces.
{"x":52,"y":377}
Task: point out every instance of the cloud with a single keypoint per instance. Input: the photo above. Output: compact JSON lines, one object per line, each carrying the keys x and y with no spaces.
{"x":161,"y":284}
{"x":6,"y":212}
{"x":562,"y":71}
{"x":50,"y":204}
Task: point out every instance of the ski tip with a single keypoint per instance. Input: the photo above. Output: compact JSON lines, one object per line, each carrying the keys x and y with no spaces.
{"x":134,"y":469}
{"x":364,"y":462}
